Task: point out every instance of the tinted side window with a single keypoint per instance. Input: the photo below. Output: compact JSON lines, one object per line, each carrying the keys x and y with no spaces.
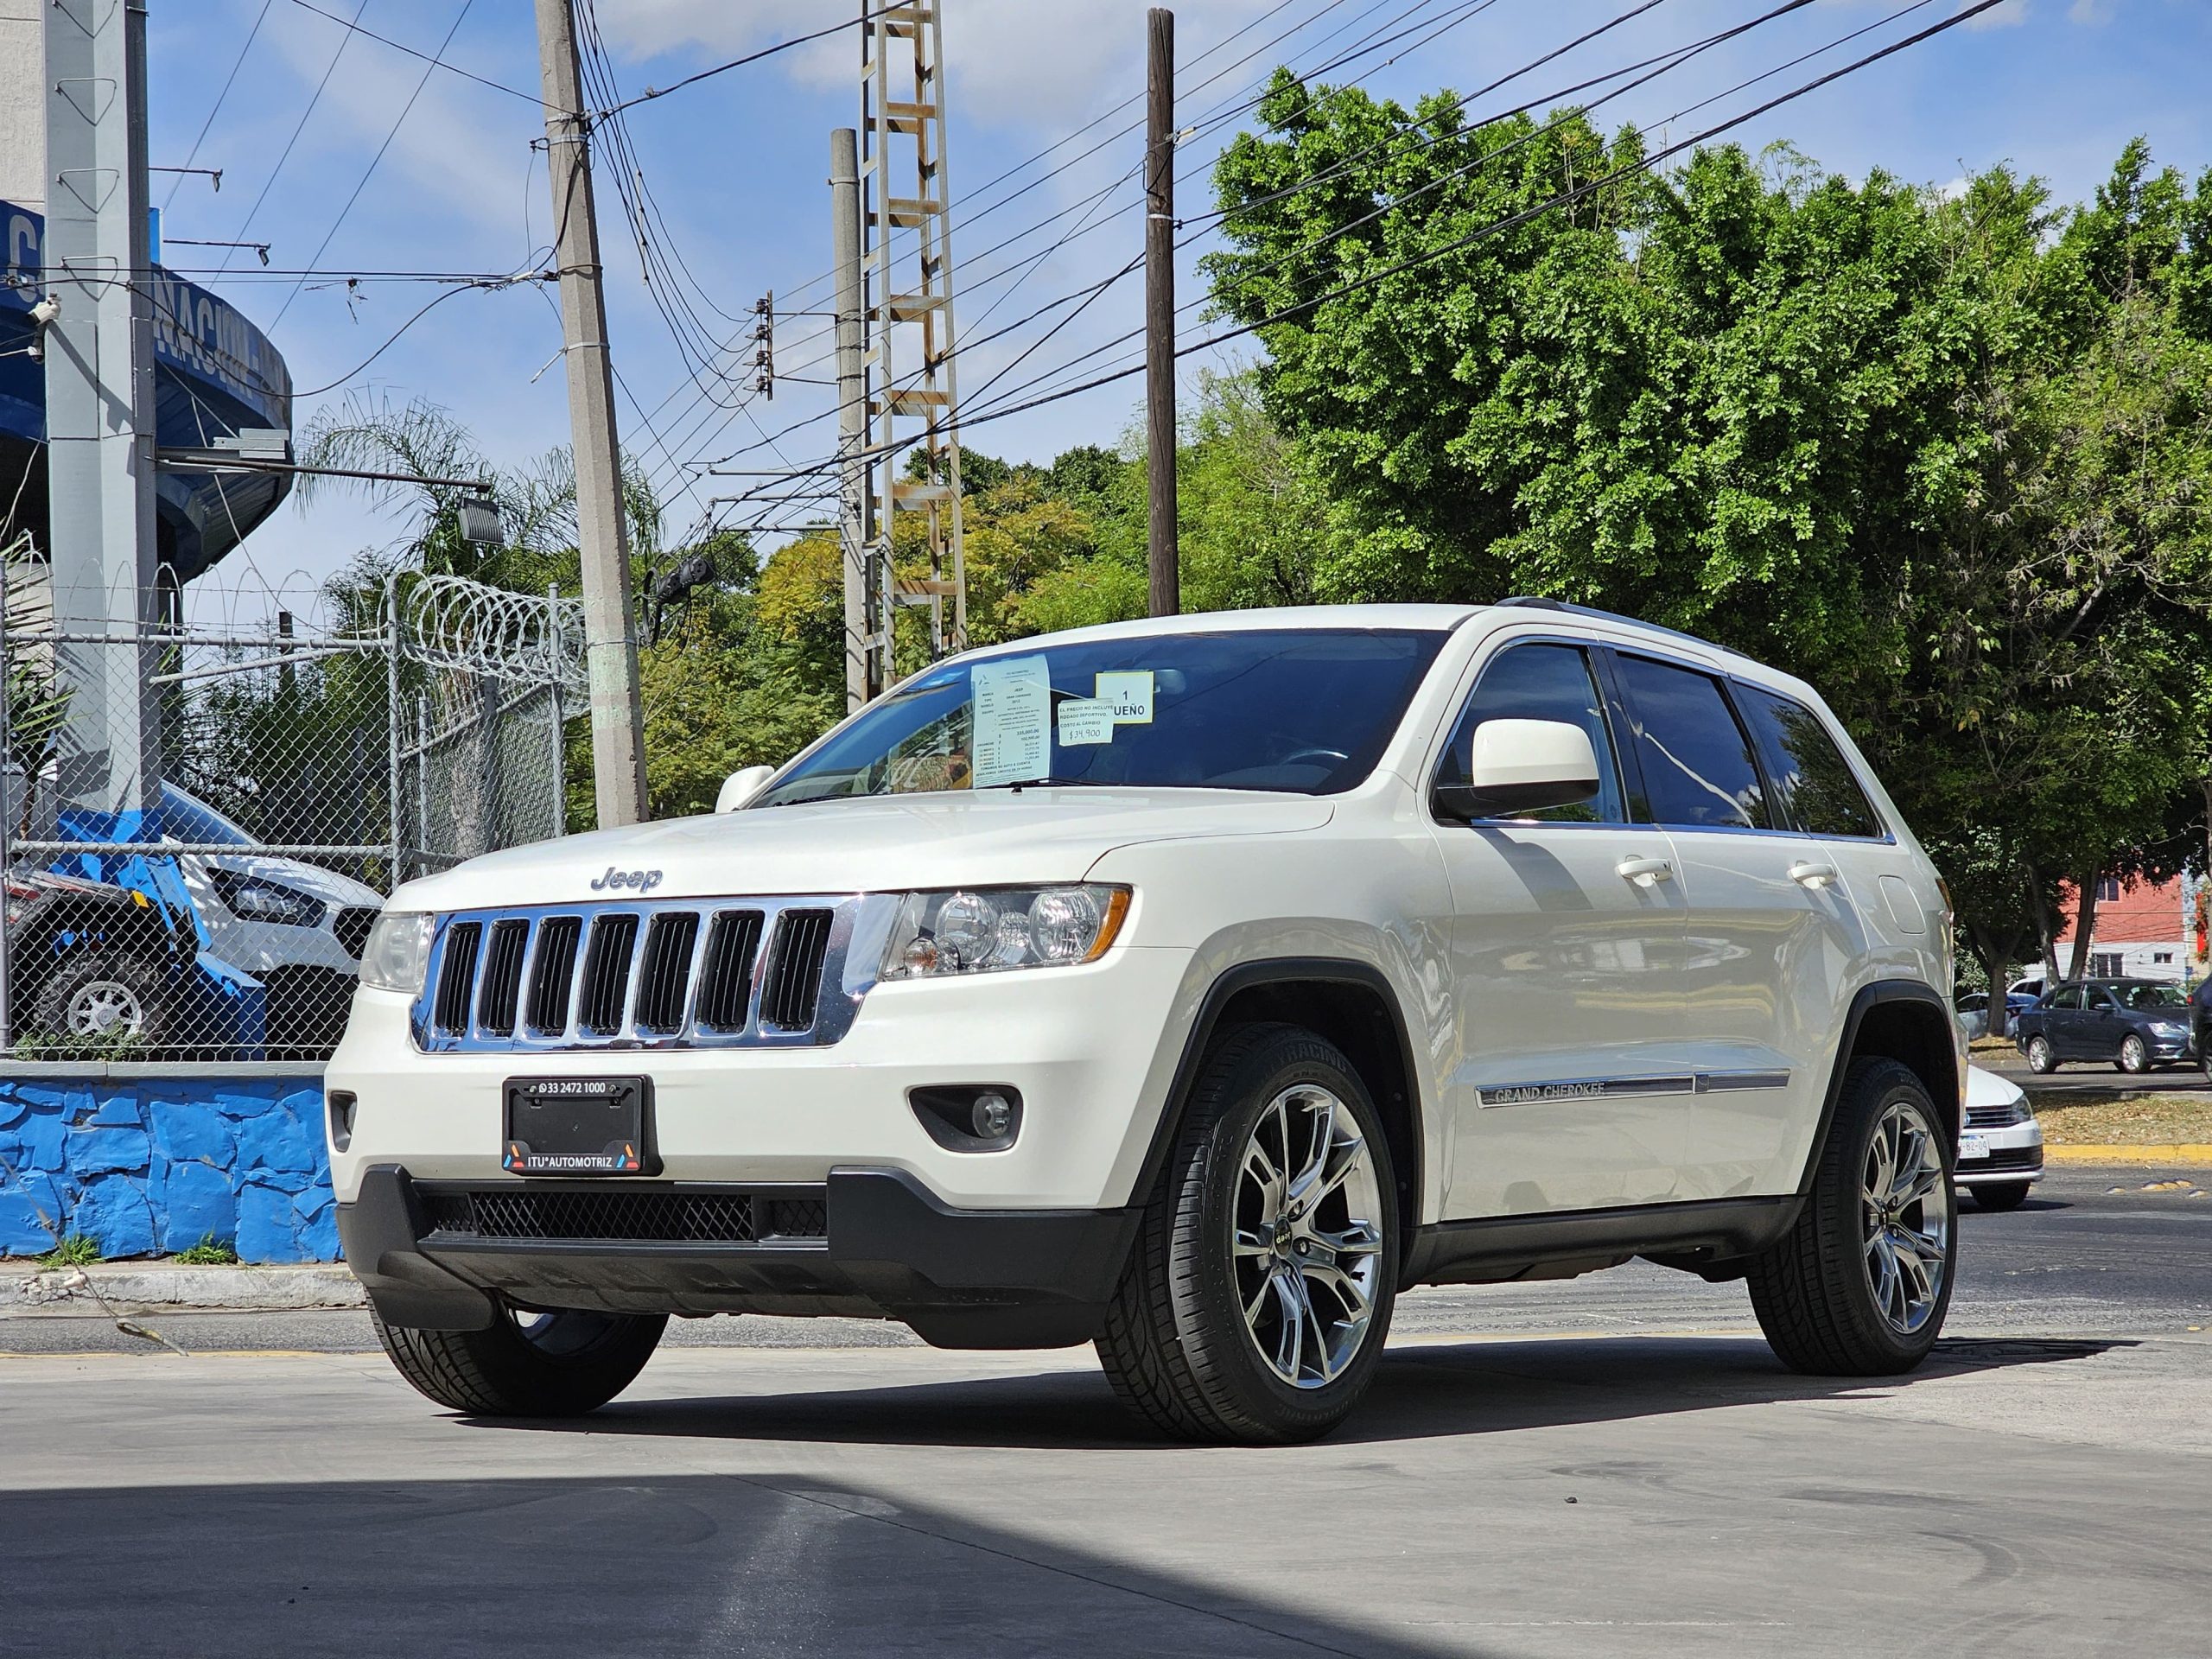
{"x":1542,"y":682}
{"x":1814,"y":781}
{"x":1698,"y":768}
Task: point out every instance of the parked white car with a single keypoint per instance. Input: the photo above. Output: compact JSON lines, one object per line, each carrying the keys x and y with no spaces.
{"x":1189,"y":987}
{"x":2001,"y":1145}
{"x":296,"y":927}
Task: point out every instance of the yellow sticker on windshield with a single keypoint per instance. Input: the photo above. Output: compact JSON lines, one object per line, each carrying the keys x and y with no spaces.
{"x":1129,"y":692}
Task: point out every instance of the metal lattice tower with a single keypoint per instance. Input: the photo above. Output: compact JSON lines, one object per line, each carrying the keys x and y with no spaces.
{"x":910,"y":340}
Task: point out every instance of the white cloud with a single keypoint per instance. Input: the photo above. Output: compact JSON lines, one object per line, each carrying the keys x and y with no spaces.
{"x":1013,"y":62}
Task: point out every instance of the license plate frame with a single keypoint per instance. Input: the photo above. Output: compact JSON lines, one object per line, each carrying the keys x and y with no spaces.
{"x":574,"y":1127}
{"x":1972,"y":1146}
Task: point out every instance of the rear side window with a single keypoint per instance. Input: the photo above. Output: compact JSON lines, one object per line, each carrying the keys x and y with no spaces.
{"x":1815,"y":782}
{"x":1697,"y":763}
{"x":1542,"y":682}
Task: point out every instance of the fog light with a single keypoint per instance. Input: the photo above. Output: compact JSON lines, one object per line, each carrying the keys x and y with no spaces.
{"x":342,"y":1106}
{"x":994,"y":1116}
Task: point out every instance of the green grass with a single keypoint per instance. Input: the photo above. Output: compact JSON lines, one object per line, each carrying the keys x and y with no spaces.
{"x":74,"y":1251}
{"x":209,"y":1252}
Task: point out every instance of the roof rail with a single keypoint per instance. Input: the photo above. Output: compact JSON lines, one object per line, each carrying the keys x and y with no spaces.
{"x":1526,"y":602}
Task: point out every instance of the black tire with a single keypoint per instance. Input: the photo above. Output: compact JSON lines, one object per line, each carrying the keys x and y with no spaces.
{"x":83,"y":975}
{"x":2134,"y":1056}
{"x":527,"y":1365}
{"x":1999,"y":1195}
{"x":1175,"y":1344}
{"x":1812,"y":1291}
{"x":2043,"y":1059}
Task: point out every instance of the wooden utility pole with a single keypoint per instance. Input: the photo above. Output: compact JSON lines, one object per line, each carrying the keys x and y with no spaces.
{"x":855,"y":535}
{"x":618,"y":736}
{"x":1159,"y":313}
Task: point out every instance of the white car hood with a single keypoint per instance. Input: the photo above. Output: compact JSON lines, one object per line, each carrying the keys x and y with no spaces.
{"x":875,"y":843}
{"x":342,"y":891}
{"x":1988,"y":1088}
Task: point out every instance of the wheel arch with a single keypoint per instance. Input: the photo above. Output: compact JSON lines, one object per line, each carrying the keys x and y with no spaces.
{"x":1352,"y":1005}
{"x":1906,"y":1021}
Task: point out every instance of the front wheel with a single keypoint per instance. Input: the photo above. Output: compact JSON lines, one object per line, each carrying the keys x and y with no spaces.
{"x":526,"y":1365}
{"x":1255,"y":1303}
{"x":2134,"y":1055}
{"x":2043,"y":1059}
{"x":1859,"y":1284}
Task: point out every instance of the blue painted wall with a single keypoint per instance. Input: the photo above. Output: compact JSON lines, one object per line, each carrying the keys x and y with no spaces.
{"x":147,"y":1165}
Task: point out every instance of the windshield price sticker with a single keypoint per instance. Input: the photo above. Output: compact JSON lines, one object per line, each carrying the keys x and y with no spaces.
{"x":1129,"y":692}
{"x":1013,"y":719}
{"x":1084,"y":722}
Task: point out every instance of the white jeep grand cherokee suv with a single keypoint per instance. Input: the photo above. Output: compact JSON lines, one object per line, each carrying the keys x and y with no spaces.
{"x":1188,"y":987}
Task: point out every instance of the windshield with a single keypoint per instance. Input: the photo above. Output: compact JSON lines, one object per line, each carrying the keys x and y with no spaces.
{"x":196,"y":824}
{"x":2146,"y":994}
{"x":1306,"y":710}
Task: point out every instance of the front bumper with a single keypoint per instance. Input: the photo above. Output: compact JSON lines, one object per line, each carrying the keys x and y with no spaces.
{"x":2013,"y":1153}
{"x":874,"y":1242}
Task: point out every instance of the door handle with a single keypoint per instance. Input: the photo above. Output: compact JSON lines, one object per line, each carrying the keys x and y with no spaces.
{"x":1811,"y":874}
{"x":1645,"y":872}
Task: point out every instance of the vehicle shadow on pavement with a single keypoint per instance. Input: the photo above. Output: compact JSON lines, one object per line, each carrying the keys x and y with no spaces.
{"x":1423,"y":1390}
{"x":642,"y":1563}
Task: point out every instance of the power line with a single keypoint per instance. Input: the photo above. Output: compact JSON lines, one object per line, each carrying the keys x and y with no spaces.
{"x":286,"y":155}
{"x":437,"y":301}
{"x":531,"y":98}
{"x":236,"y":64}
{"x":406,"y":110}
{"x":651,"y":92}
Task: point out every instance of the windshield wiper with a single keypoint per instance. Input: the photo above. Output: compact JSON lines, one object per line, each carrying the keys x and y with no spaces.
{"x":1049,"y":781}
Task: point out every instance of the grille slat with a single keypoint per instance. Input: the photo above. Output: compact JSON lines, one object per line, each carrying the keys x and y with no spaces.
{"x":793,"y":985}
{"x":552,"y":977}
{"x":726,"y":975}
{"x":625,"y":1215}
{"x":666,"y":975}
{"x":1992,"y":1117}
{"x":605,"y":995}
{"x":457,"y":977}
{"x":495,"y":1008}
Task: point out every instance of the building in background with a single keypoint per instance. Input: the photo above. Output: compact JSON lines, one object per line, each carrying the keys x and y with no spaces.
{"x":2144,"y":932}
{"x":215,"y":373}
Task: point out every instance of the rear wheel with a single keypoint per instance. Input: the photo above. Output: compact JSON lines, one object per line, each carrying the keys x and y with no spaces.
{"x":1255,"y":1303}
{"x":2043,"y":1059}
{"x":1859,"y":1286}
{"x":526,"y":1364}
{"x":1999,"y":1195}
{"x":96,"y":997}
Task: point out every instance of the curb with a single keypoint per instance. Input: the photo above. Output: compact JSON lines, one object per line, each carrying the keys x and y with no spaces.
{"x":2195,"y":1155}
{"x":129,"y":1285}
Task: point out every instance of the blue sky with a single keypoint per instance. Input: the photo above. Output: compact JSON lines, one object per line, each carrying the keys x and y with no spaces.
{"x":737,"y":166}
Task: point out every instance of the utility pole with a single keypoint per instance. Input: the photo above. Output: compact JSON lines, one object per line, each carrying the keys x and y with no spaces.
{"x":896,"y":111}
{"x":618,"y":736}
{"x":1159,"y":313}
{"x":854,"y":535}
{"x":100,"y":414}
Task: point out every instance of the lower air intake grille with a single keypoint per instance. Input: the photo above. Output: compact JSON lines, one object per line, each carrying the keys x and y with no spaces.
{"x":2005,"y":1158}
{"x":616,"y":1215}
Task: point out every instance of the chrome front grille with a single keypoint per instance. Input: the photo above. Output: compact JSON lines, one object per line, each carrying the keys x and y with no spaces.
{"x":654,"y":974}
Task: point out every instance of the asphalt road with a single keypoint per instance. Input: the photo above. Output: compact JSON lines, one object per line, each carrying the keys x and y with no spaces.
{"x":2074,"y":1077}
{"x":1611,"y":1466}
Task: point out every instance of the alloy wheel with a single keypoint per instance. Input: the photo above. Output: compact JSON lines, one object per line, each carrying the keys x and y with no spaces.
{"x":101,"y":1008}
{"x":1307,"y":1243}
{"x":1907,"y":1218}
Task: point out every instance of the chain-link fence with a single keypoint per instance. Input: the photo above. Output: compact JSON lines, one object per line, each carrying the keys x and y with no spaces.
{"x":204,"y":895}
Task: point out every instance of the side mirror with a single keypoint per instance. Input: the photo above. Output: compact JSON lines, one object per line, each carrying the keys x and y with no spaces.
{"x":1524,"y":765}
{"x":741,"y":786}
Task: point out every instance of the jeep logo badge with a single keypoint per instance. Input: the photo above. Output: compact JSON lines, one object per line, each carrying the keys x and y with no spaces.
{"x":614,"y":880}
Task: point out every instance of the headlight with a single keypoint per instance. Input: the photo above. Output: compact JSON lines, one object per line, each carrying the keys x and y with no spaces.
{"x":397,"y":954}
{"x":256,"y":900}
{"x":988,"y":930}
{"x":2169,"y":1028}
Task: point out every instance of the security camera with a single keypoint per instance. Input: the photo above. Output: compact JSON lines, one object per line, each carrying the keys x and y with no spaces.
{"x":42,"y":313}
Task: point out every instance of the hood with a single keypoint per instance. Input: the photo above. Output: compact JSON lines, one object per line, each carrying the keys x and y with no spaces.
{"x":872,"y":844}
{"x":1988,"y":1088}
{"x":340,"y":890}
